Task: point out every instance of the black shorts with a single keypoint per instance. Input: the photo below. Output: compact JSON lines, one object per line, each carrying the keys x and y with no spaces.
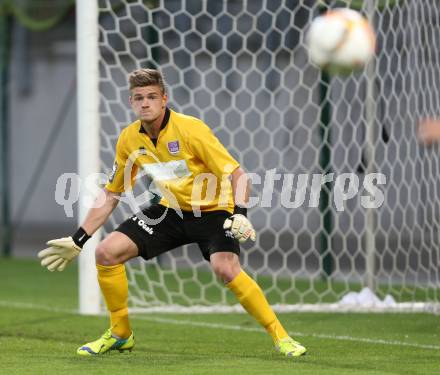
{"x":153,"y":239}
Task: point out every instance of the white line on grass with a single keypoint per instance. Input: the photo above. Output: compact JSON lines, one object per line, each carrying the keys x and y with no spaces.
{"x":300,"y":334}
{"x":30,"y":306}
{"x":23,"y":305}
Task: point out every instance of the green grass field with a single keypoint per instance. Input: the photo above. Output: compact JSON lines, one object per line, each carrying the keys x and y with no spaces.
{"x":40,"y":331}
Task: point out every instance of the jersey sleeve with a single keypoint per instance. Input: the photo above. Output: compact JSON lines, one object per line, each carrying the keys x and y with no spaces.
{"x":115,"y":182}
{"x":208,"y":148}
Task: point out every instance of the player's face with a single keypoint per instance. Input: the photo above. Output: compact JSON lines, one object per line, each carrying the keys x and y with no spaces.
{"x":148,"y":103}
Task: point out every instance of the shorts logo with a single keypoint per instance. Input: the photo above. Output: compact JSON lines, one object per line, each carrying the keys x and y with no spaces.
{"x":173,"y":147}
{"x":144,"y":226}
{"x":113,"y":172}
{"x":229,"y":234}
{"x":142,"y":150}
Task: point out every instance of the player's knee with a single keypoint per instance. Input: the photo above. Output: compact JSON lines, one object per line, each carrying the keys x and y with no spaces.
{"x":103,"y":255}
{"x":226,"y":271}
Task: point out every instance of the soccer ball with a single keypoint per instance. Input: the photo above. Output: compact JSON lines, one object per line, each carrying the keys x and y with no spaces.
{"x":341,"y":40}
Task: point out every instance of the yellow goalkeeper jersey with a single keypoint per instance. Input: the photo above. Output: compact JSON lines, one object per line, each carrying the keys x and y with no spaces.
{"x":187,"y":163}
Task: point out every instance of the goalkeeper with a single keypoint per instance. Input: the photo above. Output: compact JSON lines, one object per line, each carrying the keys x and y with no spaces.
{"x":174,"y":149}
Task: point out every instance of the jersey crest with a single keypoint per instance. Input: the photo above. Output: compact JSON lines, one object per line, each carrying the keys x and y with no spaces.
{"x":173,"y":147}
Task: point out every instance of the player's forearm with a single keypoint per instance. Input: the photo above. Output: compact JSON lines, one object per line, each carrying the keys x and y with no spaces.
{"x":239,"y":225}
{"x":97,"y":216}
{"x":240,"y":187}
{"x":429,"y":131}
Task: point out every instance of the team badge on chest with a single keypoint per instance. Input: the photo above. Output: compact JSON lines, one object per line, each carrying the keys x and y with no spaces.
{"x":173,"y":147}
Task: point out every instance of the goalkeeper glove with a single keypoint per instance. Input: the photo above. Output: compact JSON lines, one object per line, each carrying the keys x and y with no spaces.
{"x":240,"y":226}
{"x":63,"y":250}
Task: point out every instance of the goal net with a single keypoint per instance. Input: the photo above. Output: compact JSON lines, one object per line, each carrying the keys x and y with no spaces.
{"x":313,"y":143}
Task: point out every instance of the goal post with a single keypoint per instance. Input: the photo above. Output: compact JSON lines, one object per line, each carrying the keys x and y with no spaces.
{"x":242,"y":67}
{"x":88,"y":120}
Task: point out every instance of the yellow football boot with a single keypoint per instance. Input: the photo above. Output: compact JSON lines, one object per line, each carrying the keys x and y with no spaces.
{"x":106,"y":343}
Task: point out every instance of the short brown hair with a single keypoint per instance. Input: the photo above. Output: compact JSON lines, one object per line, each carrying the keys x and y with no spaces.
{"x":146,"y":77}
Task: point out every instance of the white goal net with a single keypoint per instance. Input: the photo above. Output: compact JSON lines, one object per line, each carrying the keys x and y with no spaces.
{"x":242,"y":67}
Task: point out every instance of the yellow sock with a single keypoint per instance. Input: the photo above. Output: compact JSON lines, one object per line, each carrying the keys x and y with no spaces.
{"x":114,"y":287}
{"x":251,"y":297}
